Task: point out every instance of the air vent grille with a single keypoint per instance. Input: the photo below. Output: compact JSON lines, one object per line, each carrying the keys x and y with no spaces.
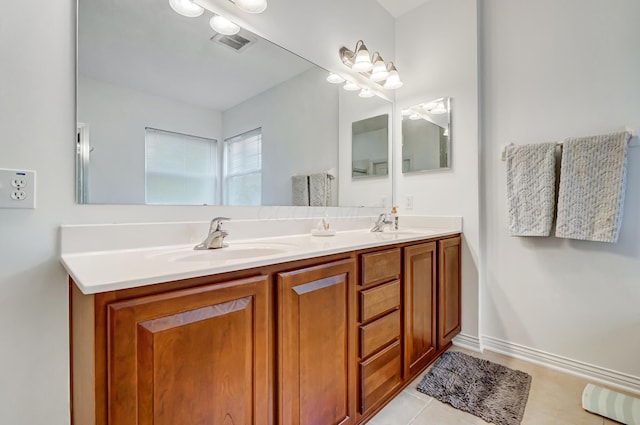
{"x":237,"y":42}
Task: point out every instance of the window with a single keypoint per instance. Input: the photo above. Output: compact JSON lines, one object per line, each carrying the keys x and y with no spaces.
{"x":243,"y":169}
{"x":180,"y":169}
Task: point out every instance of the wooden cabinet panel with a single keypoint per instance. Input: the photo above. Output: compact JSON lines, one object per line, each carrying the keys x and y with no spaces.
{"x":379,"y":333}
{"x":379,"y":376}
{"x":448,"y":290}
{"x":316,"y":345}
{"x":378,"y":267}
{"x":420,"y":306}
{"x":378,"y":300}
{"x":191,"y":356}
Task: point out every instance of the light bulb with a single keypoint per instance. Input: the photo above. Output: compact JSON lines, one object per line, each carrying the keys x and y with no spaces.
{"x":186,"y":8}
{"x":351,"y":86}
{"x":252,"y":6}
{"x":335,"y":78}
{"x":365,"y":93}
{"x":362,"y":61}
{"x":379,"y":71}
{"x":223,"y":26}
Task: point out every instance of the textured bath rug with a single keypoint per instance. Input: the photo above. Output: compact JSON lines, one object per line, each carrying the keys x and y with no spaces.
{"x":488,"y":390}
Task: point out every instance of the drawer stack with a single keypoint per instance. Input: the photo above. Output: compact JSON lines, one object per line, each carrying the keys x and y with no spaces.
{"x":379,"y":319}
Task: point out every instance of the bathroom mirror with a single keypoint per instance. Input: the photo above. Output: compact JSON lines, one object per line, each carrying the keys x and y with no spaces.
{"x":164,"y":103}
{"x":370,"y":147}
{"x":426,"y":136}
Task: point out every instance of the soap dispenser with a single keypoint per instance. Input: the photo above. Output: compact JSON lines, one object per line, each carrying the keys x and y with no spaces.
{"x":394,"y":214}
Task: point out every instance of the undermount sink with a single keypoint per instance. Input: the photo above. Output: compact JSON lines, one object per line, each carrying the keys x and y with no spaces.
{"x":232,"y":251}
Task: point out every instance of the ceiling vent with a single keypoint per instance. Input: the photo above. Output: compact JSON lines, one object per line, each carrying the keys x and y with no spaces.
{"x":237,"y":42}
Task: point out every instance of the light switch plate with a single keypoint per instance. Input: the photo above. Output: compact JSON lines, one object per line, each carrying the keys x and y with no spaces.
{"x":17,"y":188}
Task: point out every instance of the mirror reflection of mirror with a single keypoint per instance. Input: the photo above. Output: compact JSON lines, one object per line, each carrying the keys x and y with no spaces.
{"x":170,"y":112}
{"x":370,"y":147}
{"x":426,"y":136}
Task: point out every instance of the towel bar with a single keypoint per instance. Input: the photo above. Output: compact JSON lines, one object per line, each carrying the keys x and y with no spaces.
{"x":634,"y":141}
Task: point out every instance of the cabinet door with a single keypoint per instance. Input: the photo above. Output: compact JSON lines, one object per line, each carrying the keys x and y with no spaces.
{"x":420,"y":306}
{"x":448,"y":290}
{"x":316,"y":345}
{"x":193,"y":356}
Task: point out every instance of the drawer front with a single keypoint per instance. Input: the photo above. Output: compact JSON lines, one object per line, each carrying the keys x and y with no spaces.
{"x":378,"y":300}
{"x":379,"y":376}
{"x":379,"y":333}
{"x":380,"y":267}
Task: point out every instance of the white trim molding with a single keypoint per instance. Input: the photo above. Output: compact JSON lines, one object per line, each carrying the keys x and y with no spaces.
{"x":588,"y":371}
{"x":467,"y":341}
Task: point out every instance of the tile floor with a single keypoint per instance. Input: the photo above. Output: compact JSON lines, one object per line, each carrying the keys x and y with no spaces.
{"x":554,"y":399}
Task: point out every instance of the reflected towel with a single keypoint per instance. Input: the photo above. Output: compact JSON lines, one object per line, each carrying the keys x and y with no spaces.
{"x":531,"y":180}
{"x":300,"y":191}
{"x":592,"y":186}
{"x":320,"y":189}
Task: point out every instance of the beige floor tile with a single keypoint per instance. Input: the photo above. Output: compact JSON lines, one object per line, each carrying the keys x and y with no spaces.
{"x":400,"y":411}
{"x":437,"y":413}
{"x":411,"y":389}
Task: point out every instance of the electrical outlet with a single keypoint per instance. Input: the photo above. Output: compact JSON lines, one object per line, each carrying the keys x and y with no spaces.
{"x":17,"y":189}
{"x":408,"y":202}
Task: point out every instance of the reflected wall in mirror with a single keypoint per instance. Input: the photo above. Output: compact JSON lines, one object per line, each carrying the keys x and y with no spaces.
{"x":370,"y":147}
{"x":170,"y":112}
{"x":426,"y":136}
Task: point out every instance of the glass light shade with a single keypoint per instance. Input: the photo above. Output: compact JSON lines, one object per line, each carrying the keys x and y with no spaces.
{"x":405,"y":112}
{"x":362,"y":61}
{"x":223,"y":26}
{"x":365,"y":93}
{"x":414,"y":116}
{"x":335,"y":78}
{"x":379,"y":71}
{"x":393,"y":81}
{"x":350,"y":86}
{"x":252,"y":6}
{"x":186,"y":8}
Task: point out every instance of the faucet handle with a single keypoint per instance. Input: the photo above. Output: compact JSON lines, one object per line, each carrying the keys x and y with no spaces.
{"x":216,"y":223}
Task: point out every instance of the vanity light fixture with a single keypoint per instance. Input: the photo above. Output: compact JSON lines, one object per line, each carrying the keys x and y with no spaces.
{"x":251,"y":6}
{"x":223,"y":26}
{"x":186,"y":8}
{"x":335,"y":78}
{"x":366,"y":92}
{"x":351,"y":86}
{"x":375,"y":69}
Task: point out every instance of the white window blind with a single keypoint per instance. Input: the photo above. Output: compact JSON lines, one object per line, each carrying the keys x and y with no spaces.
{"x":243,"y":169}
{"x":180,"y":169}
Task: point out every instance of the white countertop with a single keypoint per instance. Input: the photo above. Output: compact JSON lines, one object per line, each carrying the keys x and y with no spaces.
{"x":108,"y":270}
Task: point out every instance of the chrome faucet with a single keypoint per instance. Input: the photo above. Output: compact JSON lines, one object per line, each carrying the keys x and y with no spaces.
{"x":383,"y":220}
{"x":216,"y":235}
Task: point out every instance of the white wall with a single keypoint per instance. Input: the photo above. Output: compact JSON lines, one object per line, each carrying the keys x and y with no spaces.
{"x":299,"y":123}
{"x":37,"y":127}
{"x":117,"y":117}
{"x":554,"y":69}
{"x":436,"y":48}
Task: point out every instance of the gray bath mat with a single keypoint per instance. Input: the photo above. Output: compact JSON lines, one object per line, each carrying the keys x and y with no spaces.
{"x":488,"y":390}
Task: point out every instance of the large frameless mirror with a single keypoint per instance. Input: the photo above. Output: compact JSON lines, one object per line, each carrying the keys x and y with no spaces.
{"x":171,"y":112}
{"x":426,"y":136}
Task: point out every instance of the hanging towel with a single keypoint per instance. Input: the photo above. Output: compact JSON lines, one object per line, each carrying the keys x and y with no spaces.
{"x":592,"y":186}
{"x":531,"y":181}
{"x":300,"y":191}
{"x":320,"y":189}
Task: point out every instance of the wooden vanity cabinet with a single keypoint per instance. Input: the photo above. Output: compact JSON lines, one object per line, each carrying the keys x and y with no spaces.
{"x":449,"y":290}
{"x":316,"y":345}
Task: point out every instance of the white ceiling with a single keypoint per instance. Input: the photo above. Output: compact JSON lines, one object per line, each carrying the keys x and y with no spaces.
{"x":146,"y":46}
{"x":400,"y":7}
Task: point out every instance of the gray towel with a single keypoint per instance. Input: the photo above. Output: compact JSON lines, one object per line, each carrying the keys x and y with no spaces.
{"x":300,"y":191}
{"x":320,"y":189}
{"x":531,"y":181}
{"x":592,"y":185}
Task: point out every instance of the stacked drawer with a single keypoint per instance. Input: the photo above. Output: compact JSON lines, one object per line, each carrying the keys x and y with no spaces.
{"x":380,"y":349}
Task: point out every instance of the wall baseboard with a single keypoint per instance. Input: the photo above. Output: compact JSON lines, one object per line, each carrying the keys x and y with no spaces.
{"x":467,"y":341}
{"x":591,"y":372}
